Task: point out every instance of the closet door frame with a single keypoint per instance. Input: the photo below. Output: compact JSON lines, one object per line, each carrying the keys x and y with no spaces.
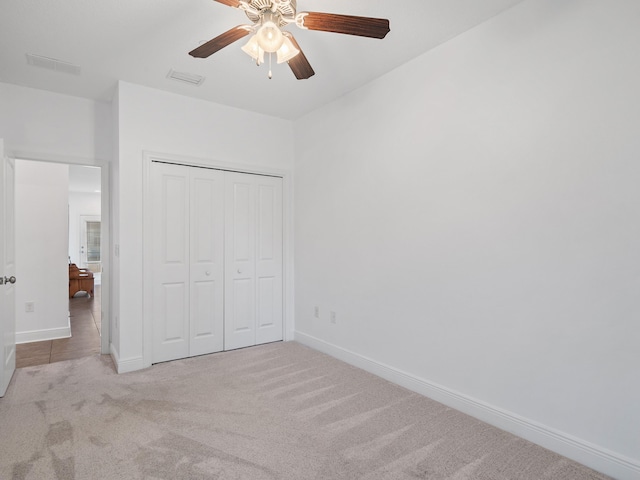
{"x":147,"y":240}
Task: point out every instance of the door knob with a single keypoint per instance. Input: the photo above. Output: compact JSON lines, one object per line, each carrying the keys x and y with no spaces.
{"x":239,"y":271}
{"x":207,"y":273}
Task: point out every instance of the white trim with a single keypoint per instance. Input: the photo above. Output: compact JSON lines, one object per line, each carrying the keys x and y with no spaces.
{"x":147,"y":266}
{"x":126,"y":365}
{"x":288,"y":292}
{"x":58,"y":158}
{"x":593,"y":456}
{"x":43,"y":335}
{"x":287,"y":240}
{"x":105,"y":257}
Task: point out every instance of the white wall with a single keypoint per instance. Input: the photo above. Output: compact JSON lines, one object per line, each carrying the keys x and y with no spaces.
{"x":472,"y":218}
{"x":54,"y":125}
{"x":41,"y":251}
{"x":154,"y":121}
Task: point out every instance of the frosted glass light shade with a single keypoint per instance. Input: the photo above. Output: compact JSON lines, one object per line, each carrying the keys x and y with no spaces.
{"x":287,"y":51}
{"x":270,"y":37}
{"x":252,"y":48}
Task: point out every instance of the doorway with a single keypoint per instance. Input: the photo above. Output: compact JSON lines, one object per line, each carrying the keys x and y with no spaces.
{"x":42,"y":335}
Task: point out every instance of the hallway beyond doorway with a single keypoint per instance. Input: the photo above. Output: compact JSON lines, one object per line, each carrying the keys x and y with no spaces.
{"x":84,"y":341}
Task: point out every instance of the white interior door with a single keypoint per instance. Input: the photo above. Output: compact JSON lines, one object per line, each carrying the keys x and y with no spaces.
{"x":206,"y":232}
{"x":7,"y":271}
{"x":253,"y":260}
{"x":90,"y":243}
{"x":170,"y":314}
{"x":269,"y":281}
{"x":188,"y":261}
{"x":240,"y":260}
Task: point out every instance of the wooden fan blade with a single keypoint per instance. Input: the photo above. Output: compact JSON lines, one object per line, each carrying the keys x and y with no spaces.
{"x":299,"y":64}
{"x":347,"y":24}
{"x":221,"y":41}
{"x":231,"y":3}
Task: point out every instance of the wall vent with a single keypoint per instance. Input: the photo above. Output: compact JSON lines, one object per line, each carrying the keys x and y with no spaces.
{"x":52,"y":64}
{"x":189,"y":78}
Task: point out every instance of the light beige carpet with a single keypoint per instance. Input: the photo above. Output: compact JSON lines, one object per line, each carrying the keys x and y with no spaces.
{"x":278,"y":411}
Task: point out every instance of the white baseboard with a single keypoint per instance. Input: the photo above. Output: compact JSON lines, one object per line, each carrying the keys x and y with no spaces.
{"x":43,"y":335}
{"x":593,"y":456}
{"x":126,"y":365}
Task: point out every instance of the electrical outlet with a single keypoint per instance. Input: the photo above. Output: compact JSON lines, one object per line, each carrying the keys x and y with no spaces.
{"x":316,"y":312}
{"x":29,"y":307}
{"x":333,"y":318}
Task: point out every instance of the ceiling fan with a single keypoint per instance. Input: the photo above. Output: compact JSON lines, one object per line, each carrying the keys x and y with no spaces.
{"x":270,"y":16}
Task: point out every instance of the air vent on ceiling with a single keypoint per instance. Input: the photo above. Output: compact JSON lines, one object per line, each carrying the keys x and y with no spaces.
{"x":53,"y":64}
{"x":189,"y":78}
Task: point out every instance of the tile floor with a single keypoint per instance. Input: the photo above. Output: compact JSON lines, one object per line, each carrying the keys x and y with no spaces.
{"x":84,"y":341}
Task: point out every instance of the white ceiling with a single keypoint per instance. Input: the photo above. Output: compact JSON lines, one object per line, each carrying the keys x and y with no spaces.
{"x":139,"y":41}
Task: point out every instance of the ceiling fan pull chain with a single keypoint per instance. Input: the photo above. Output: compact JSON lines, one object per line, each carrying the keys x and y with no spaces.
{"x":270,"y":74}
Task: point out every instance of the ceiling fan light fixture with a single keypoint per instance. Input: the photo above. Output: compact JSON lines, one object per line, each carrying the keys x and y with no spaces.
{"x":269,"y":35}
{"x":268,"y":17}
{"x":287,"y":51}
{"x":252,"y":48}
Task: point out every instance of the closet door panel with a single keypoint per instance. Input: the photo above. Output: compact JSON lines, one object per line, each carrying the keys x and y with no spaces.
{"x":243,"y":317}
{"x":240,"y":214}
{"x":267,"y":292}
{"x":269,"y":308}
{"x":172,"y":302}
{"x":170,"y":218}
{"x":217,"y":260}
{"x":207,"y":260}
{"x":204,"y":331}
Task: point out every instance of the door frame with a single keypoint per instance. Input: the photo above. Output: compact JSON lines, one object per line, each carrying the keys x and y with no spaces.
{"x":105,"y":240}
{"x":147,"y":237}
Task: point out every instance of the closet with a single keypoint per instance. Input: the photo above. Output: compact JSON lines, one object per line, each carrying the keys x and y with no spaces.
{"x":217,"y":260}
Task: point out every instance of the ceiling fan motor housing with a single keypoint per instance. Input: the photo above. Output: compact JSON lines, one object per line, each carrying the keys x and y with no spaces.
{"x":282,"y":8}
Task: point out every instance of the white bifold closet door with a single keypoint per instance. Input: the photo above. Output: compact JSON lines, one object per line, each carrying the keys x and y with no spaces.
{"x":253,"y":307}
{"x":217,"y":260}
{"x":188,"y":261}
